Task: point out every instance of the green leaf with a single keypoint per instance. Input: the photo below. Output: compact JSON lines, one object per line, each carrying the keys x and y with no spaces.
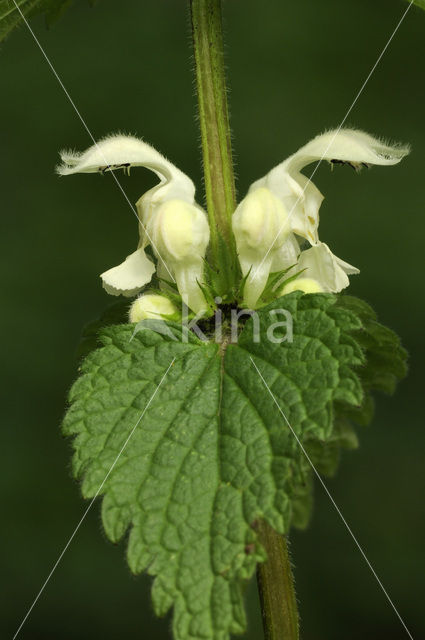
{"x":383,"y":367}
{"x":10,"y":16}
{"x":419,"y":3}
{"x":208,"y":452}
{"x":386,"y":359}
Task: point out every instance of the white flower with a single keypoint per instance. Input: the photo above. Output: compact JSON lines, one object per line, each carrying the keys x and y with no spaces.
{"x":328,"y":270}
{"x":279,"y":214}
{"x":151,"y":306}
{"x":180,"y":236}
{"x":264,"y":240}
{"x":300,"y":195}
{"x":302,"y":200}
{"x":167,"y":212}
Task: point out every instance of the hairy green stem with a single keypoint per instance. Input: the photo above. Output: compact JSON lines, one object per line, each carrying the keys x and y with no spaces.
{"x":277,"y":593}
{"x":276,"y":587}
{"x":214,"y":120}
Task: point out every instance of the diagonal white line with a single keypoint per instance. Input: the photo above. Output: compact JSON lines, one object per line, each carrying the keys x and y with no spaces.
{"x":93,"y":500}
{"x":90,"y":135}
{"x":332,"y":500}
{"x":252,"y":276}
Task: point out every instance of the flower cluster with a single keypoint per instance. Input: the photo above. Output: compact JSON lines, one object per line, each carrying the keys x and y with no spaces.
{"x":275,"y":225}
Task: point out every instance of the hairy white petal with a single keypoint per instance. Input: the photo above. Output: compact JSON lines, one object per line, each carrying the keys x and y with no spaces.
{"x":180,"y":236}
{"x":346,"y":145}
{"x":123,"y":152}
{"x":300,"y":196}
{"x":179,"y":231}
{"x":286,"y":255}
{"x":260,"y":221}
{"x":164,"y":272}
{"x":130,"y":276}
{"x":306,"y":220}
{"x":262,"y":234}
{"x":321,"y":265}
{"x":188,"y":275}
{"x":120,"y":151}
{"x":348,"y":268}
{"x":256,"y":281}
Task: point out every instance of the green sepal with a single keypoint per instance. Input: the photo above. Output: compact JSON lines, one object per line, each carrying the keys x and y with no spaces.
{"x":223,"y":279}
{"x":276,"y":281}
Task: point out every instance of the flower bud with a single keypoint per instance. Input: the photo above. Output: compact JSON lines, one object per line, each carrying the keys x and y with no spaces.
{"x":151,"y":306}
{"x":180,"y":236}
{"x":307,"y":285}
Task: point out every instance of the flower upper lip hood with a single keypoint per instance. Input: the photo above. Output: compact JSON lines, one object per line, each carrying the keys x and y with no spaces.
{"x":271,"y":224}
{"x":301,"y":197}
{"x":118,"y":151}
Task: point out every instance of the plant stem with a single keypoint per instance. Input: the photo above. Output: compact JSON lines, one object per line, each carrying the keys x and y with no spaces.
{"x":277,"y":593}
{"x":214,"y":119}
{"x":276,"y":587}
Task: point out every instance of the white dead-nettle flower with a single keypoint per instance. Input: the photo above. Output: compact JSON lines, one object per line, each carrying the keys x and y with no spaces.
{"x":152,"y":306}
{"x":180,"y":236}
{"x":299,"y":214}
{"x":166,"y":212}
{"x":279,"y":214}
{"x":264,"y":240}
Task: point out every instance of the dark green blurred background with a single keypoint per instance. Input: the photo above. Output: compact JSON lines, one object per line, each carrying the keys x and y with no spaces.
{"x":294,"y":69}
